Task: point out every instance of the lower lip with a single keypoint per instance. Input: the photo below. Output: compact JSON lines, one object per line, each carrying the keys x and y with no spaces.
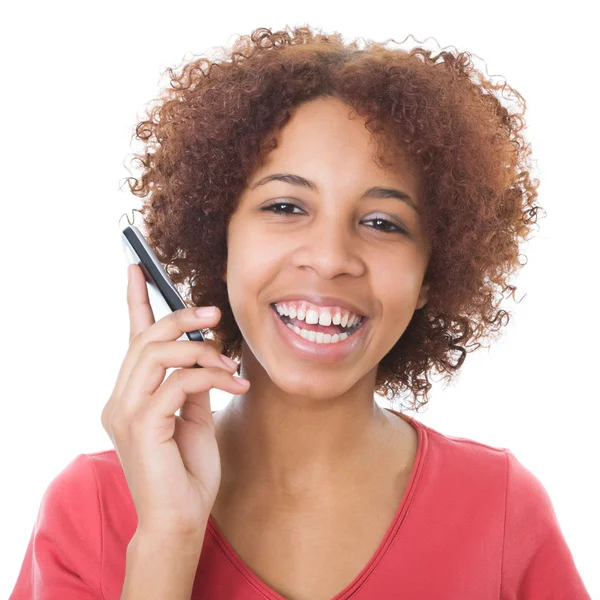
{"x":325,"y":352}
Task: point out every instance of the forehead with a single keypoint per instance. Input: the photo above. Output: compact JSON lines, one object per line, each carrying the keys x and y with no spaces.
{"x":325,"y":141}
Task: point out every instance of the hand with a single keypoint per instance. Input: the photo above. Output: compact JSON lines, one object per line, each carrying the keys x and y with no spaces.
{"x":171,"y":463}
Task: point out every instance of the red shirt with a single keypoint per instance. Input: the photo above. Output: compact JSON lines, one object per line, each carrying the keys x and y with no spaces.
{"x":473,"y":524}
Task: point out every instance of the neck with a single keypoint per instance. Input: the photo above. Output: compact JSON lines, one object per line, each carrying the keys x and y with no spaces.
{"x":290,"y":447}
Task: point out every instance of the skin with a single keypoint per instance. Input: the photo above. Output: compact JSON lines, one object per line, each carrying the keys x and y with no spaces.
{"x":305,"y":428}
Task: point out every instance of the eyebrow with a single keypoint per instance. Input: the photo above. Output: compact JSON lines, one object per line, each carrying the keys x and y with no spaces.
{"x":373,"y":192}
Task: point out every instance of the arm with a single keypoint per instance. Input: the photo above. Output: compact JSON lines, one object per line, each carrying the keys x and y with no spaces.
{"x":160,"y":567}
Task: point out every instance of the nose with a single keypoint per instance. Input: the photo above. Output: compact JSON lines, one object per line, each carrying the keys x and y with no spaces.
{"x":329,"y":247}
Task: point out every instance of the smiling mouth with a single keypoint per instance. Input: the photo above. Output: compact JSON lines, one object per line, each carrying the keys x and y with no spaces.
{"x":297,"y":325}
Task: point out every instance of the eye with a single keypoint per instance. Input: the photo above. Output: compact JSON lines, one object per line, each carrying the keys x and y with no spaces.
{"x":395,"y":228}
{"x":271,"y":206}
{"x":385,"y":229}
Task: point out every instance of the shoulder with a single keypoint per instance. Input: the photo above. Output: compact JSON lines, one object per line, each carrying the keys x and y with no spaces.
{"x":91,"y":489}
{"x":74,"y":485}
{"x":464,"y":444}
{"x":528,"y":503}
{"x":472,"y":457}
{"x":106,"y":466}
{"x":113,"y":490}
{"x":67,"y":534}
{"x":81,"y":532}
{"x":486,"y":497}
{"x":87,"y":473}
{"x":469,"y":467}
{"x":461,"y":457}
{"x":458,"y":481}
{"x":90,"y":499}
{"x":82,"y":486}
{"x":485,"y":477}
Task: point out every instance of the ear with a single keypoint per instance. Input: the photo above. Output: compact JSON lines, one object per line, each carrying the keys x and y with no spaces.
{"x":423,"y":296}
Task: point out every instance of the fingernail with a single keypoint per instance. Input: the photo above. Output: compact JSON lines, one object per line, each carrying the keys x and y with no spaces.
{"x":229,"y":362}
{"x":206,"y":311}
{"x":241,"y":380}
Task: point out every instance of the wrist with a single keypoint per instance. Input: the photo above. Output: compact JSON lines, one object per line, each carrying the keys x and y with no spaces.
{"x":168,"y":540}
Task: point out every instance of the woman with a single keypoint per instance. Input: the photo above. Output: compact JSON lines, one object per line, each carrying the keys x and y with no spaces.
{"x":351,"y":214}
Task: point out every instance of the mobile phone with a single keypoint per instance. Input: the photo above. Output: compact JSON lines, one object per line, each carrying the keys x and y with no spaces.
{"x":161,"y":291}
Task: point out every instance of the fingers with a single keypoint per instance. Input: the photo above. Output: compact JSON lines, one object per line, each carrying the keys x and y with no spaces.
{"x":170,"y":327}
{"x":156,"y":357}
{"x":190,"y":385}
{"x":176,"y":323}
{"x":155,"y":347}
{"x":142,"y":416}
{"x":143,"y":329}
{"x":144,"y":370}
{"x":140,"y":311}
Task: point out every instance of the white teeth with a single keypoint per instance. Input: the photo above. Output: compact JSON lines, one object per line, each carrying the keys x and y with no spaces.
{"x":312,"y":316}
{"x":319,"y":338}
{"x":324,"y":319}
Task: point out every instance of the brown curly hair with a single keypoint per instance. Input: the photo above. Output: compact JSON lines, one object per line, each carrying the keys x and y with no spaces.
{"x":207,"y":134}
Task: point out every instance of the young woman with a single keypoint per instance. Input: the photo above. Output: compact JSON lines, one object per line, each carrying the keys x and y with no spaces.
{"x":351,"y":215}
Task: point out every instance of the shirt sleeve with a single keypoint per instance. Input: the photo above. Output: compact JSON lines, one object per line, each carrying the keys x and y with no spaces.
{"x":63,"y":557}
{"x":536,"y":561}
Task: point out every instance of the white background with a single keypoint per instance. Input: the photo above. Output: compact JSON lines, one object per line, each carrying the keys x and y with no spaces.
{"x":75,"y":79}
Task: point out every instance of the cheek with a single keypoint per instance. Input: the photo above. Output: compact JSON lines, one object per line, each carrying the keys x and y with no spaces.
{"x":251,"y":251}
{"x":250,"y":270}
{"x":397,"y":291}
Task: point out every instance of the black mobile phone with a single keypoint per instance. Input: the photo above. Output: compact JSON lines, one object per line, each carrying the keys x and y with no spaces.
{"x":160,"y":287}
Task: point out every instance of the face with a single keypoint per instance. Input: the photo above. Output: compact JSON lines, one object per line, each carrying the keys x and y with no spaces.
{"x":328,"y":241}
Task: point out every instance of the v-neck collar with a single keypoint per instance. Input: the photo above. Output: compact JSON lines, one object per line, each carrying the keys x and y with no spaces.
{"x":389,"y":536}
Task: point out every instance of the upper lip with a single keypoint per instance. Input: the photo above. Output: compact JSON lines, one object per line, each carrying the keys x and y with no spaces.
{"x":324,"y":301}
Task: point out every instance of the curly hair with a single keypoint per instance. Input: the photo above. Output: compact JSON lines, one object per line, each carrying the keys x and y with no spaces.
{"x":206,"y":135}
